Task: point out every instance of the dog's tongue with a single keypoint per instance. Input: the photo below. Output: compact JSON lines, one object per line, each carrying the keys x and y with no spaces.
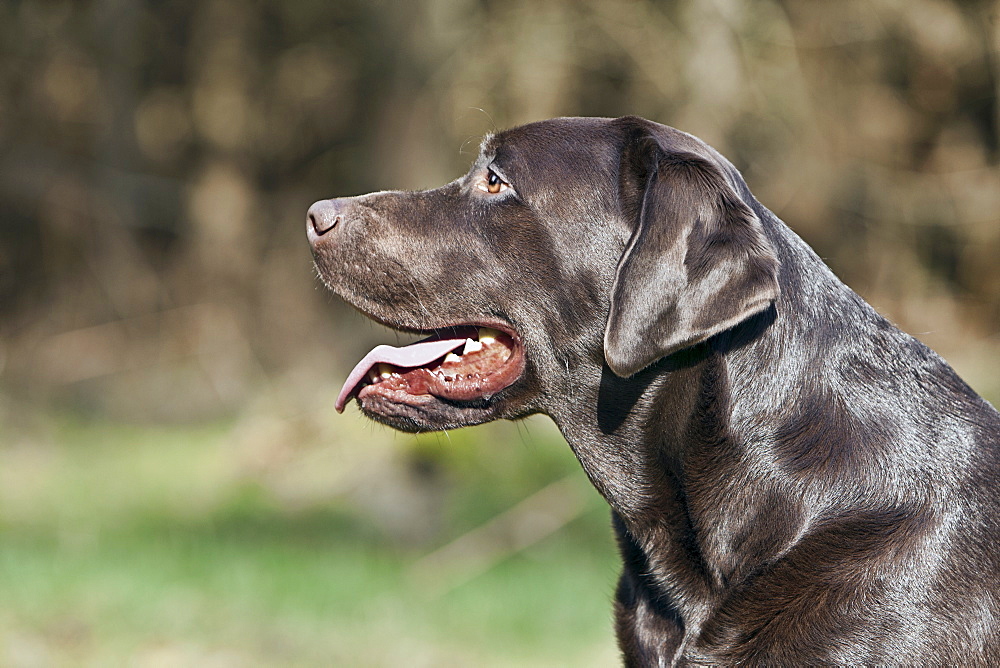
{"x":413,"y":355}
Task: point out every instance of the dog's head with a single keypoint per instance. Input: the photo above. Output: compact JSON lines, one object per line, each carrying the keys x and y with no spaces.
{"x":570,"y":243}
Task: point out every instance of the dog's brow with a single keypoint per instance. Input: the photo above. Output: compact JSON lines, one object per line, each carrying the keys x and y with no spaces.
{"x":487,"y":145}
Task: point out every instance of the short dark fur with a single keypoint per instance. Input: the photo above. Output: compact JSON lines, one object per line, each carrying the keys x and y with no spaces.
{"x":793,"y":480}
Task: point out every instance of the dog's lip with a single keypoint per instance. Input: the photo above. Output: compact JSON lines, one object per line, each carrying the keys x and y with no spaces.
{"x":450,"y":337}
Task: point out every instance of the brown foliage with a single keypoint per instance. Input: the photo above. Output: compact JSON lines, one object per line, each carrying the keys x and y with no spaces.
{"x":157,"y":159}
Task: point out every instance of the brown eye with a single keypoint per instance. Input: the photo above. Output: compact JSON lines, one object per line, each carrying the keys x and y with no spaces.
{"x":494,"y":184}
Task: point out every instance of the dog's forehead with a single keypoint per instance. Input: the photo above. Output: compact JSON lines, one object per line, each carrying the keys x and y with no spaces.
{"x":557,"y":138}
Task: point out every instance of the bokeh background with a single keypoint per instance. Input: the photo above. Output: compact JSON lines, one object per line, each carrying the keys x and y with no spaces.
{"x":175,"y":488}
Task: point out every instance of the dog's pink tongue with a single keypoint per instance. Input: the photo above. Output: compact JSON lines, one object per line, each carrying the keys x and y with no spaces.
{"x":415,"y":354}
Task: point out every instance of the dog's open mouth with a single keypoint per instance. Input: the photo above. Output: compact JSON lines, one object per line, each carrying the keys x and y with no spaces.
{"x":464,"y":363}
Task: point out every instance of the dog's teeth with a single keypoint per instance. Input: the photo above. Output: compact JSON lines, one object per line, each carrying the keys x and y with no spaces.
{"x":452,"y":357}
{"x":384,"y":370}
{"x":472,"y":346}
{"x":372,"y":375}
{"x":488,"y":335}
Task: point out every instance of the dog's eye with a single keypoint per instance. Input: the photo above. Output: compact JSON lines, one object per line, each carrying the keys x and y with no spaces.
{"x":493,"y":183}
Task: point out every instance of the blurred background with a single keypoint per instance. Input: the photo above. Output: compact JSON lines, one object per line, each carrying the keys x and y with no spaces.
{"x":175,"y":488}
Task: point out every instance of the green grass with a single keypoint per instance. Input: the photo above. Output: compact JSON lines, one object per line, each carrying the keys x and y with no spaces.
{"x":179,"y":546}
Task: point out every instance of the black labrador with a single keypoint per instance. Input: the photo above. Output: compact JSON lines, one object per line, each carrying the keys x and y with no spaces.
{"x":793,"y":479}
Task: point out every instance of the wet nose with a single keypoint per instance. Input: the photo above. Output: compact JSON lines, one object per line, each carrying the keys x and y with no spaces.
{"x":323,"y":216}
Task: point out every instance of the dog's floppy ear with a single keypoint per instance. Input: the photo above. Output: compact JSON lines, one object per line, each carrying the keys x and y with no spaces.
{"x":697,"y":263}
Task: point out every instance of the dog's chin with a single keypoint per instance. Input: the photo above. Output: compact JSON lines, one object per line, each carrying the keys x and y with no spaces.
{"x":425,"y":412}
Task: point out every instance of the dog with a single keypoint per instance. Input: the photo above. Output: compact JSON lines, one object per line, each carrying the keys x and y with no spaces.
{"x":793,"y":480}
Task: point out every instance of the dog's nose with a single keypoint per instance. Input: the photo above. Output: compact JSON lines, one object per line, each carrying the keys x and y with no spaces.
{"x":323,"y":216}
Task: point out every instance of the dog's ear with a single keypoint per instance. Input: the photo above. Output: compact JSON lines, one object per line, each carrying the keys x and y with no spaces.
{"x":697,"y":263}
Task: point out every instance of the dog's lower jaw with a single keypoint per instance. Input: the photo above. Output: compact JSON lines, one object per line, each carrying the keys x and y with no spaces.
{"x":422,"y":413}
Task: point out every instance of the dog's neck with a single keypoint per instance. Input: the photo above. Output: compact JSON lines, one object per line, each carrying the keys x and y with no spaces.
{"x":682,"y":451}
{"x":630,"y":434}
{"x":680,"y":475}
{"x":686,"y":468}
